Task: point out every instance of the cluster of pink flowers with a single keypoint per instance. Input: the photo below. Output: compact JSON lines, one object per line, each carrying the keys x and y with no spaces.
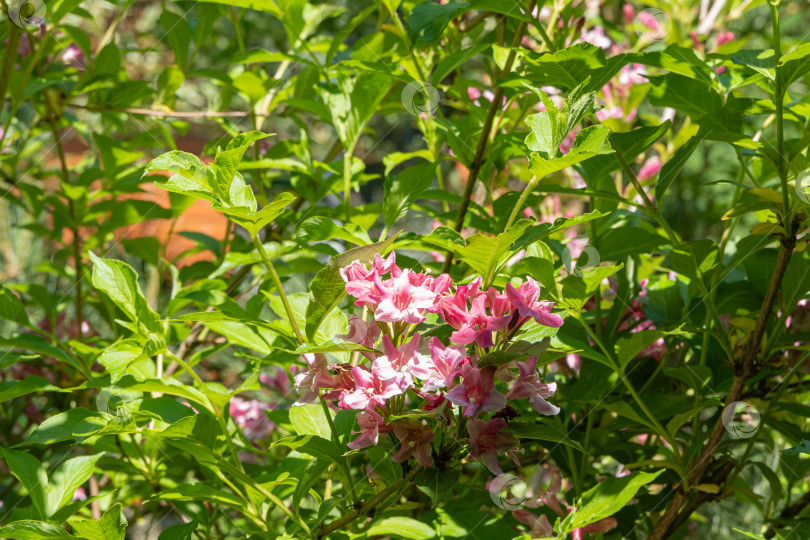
{"x":399,"y":368}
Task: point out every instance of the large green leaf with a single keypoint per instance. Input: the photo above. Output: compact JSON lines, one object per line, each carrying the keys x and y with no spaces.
{"x":403,"y":189}
{"x":606,"y":498}
{"x":310,"y":420}
{"x":34,"y":383}
{"x":227,"y":161}
{"x":353,"y":103}
{"x":29,"y":529}
{"x":69,"y":476}
{"x":401,"y":527}
{"x":541,"y":432}
{"x":436,"y":483}
{"x":590,"y":142}
{"x":111,"y":526}
{"x":119,"y":282}
{"x":31,"y":474}
{"x":312,"y":445}
{"x":12,"y":309}
{"x":485,"y":254}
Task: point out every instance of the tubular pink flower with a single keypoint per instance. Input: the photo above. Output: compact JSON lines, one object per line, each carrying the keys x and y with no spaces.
{"x":401,"y":301}
{"x":363,"y":333}
{"x":480,"y":325}
{"x":528,"y":385}
{"x":540,"y":526}
{"x":402,"y":364}
{"x":309,"y":382}
{"x":525,"y":301}
{"x":477,"y":392}
{"x":371,"y":425}
{"x":487,"y":441}
{"x":416,"y":439}
{"x":445,"y":364}
{"x":369,"y":390}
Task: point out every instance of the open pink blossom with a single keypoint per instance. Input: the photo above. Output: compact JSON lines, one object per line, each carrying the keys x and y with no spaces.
{"x":476,"y":392}
{"x":361,"y":281}
{"x":370,"y":390}
{"x":416,"y":439}
{"x":649,"y":169}
{"x":308,"y":383}
{"x":524,"y":298}
{"x":528,"y":385}
{"x":403,"y":363}
{"x":371,"y":425}
{"x":488,"y":440}
{"x":445,"y":364}
{"x":402,"y":301}
{"x":479,"y":325}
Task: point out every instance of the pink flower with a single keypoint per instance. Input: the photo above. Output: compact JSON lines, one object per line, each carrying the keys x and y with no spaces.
{"x":371,"y":425}
{"x":249,"y":415}
{"x":628,"y":13}
{"x":369,"y":390}
{"x":308,"y":383}
{"x":487,"y":441}
{"x":79,"y":494}
{"x":402,"y":364}
{"x":73,"y":55}
{"x":540,"y":527}
{"x":477,"y":392}
{"x":360,"y":281}
{"x":525,"y":301}
{"x":528,"y":385}
{"x":279,"y":380}
{"x":479,"y":325}
{"x":363,"y":333}
{"x":402,"y":301}
{"x":445,"y":364}
{"x":649,"y":169}
{"x":416,"y":439}
{"x":723,"y":38}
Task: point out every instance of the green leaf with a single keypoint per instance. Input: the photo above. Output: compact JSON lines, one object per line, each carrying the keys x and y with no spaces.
{"x":310,"y":420}
{"x":803,"y":448}
{"x":61,"y":427}
{"x":119,"y":282}
{"x":181,"y":531}
{"x":328,"y":288}
{"x":629,"y":347}
{"x":318,"y":228}
{"x":31,"y":474}
{"x":794,"y":65}
{"x":191,"y":176}
{"x":428,"y":20}
{"x":33,"y":383}
{"x":67,"y":478}
{"x":226,"y":163}
{"x":403,"y":189}
{"x":436,"y":483}
{"x":202,"y":492}
{"x":111,"y":526}
{"x":353,"y":103}
{"x":312,"y":445}
{"x":608,"y":497}
{"x":517,"y":350}
{"x":674,"y":166}
{"x":761,"y":61}
{"x":541,"y":432}
{"x":12,"y":309}
{"x":401,"y":527}
{"x":485,"y":254}
{"x":247,"y":216}
{"x":685,"y":94}
{"x":590,"y":142}
{"x":177,"y":36}
{"x":29,"y":529}
{"x":119,"y":356}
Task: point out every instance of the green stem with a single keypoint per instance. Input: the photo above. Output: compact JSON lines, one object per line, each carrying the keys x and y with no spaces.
{"x":344,"y":461}
{"x":284,"y":300}
{"x":523,"y":196}
{"x":347,"y":180}
{"x":779,"y":97}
